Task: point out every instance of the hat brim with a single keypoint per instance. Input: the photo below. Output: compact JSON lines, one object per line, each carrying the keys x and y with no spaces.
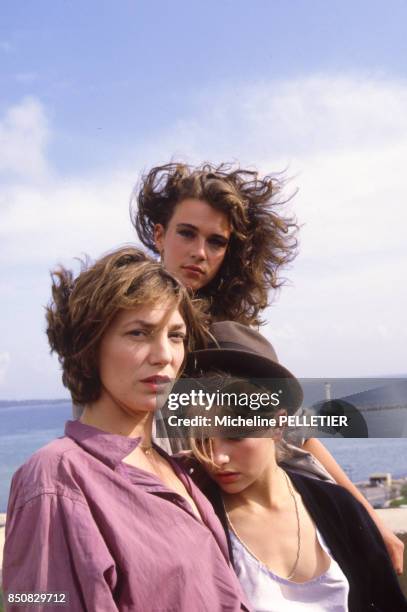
{"x":248,"y":365}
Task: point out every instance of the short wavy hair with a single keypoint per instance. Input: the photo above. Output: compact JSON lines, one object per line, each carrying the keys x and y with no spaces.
{"x":82,"y":309}
{"x":263,"y":239}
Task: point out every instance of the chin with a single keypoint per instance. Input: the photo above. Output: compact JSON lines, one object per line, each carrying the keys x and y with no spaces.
{"x":195,"y":286}
{"x":192,"y":283}
{"x":236,"y":487}
{"x":144,"y":406}
{"x":229,"y":487}
{"x":153,"y":401}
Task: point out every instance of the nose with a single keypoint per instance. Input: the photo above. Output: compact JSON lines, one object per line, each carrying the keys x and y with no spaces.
{"x":161,"y":350}
{"x":220,"y":452}
{"x":199,"y":249}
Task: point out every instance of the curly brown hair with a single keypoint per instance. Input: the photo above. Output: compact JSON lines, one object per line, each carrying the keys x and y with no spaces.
{"x":82,"y":309}
{"x":263,"y":240}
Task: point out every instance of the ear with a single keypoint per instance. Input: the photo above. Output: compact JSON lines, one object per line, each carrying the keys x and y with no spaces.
{"x":159,"y":233}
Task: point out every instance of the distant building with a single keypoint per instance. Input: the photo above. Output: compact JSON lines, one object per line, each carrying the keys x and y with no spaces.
{"x":380,"y":479}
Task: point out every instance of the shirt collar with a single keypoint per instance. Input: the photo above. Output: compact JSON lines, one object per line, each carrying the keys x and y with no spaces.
{"x":107,"y":447}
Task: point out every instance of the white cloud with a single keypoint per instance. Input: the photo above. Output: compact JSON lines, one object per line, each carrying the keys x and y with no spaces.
{"x":343,"y":139}
{"x":329,"y":113}
{"x":285,"y":119}
{"x":346,"y":138}
{"x":59,"y":220}
{"x":4,"y":364}
{"x":24,"y":134}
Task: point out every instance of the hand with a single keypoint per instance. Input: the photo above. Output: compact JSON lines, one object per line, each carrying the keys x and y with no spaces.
{"x":395,"y":548}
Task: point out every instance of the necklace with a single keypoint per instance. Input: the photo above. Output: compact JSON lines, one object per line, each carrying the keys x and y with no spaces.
{"x":147,"y":450}
{"x":291,"y":574}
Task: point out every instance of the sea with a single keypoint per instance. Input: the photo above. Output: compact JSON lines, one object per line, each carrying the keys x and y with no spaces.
{"x":26,"y":426}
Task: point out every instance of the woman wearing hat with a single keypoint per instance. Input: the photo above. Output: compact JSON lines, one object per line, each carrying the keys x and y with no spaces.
{"x":296,"y":543}
{"x":222,"y":232}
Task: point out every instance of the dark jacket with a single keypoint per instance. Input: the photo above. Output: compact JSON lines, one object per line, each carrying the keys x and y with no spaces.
{"x":350,"y":534}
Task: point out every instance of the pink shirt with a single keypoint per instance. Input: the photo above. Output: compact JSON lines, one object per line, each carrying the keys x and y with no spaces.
{"x":111,"y":535}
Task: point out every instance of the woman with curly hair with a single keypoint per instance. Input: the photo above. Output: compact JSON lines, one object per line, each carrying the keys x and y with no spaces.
{"x":223,"y":233}
{"x":220,"y":231}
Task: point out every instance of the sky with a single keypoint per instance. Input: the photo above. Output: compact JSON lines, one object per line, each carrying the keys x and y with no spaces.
{"x":94,"y":93}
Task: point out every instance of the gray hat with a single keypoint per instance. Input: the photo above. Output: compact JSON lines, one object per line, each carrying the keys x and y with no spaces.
{"x":242,"y":351}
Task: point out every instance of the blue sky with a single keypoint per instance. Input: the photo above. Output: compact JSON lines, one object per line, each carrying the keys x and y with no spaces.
{"x":113,"y":73}
{"x":92,"y":93}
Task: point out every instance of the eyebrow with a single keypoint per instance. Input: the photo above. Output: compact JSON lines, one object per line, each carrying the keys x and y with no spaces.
{"x":140,"y":322}
{"x":177,"y":326}
{"x":194,"y":227}
{"x":148,"y":325}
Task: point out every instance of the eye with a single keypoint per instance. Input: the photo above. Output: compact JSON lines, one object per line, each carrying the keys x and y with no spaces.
{"x":178,"y":336}
{"x":218,"y":243}
{"x":186,"y":233}
{"x":137,"y":333}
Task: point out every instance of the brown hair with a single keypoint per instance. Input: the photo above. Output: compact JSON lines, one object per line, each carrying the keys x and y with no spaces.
{"x":83,"y":308}
{"x":262,"y":240}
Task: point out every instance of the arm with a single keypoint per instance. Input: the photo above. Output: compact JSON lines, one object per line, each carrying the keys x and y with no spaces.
{"x":394,"y":545}
{"x":53,"y":545}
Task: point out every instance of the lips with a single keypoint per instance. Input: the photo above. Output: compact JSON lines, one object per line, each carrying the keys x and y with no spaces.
{"x":193,"y":269}
{"x":159,"y":380}
{"x":226,"y":477}
{"x":156,"y":382}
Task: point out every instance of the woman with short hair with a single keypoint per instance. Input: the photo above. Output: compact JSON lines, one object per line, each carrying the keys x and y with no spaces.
{"x":103,"y":518}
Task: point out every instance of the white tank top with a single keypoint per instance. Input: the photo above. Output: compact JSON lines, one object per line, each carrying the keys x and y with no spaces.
{"x":267,"y":592}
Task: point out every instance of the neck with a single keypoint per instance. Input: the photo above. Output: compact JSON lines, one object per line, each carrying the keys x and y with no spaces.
{"x":113,"y":419}
{"x":269,"y":491}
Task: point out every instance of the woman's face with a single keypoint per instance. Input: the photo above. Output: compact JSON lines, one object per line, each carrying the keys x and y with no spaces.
{"x":193,"y":245}
{"x":241,"y":462}
{"x":140,"y":356}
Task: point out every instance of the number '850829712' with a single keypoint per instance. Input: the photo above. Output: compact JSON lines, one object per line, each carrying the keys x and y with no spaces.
{"x":36,"y":598}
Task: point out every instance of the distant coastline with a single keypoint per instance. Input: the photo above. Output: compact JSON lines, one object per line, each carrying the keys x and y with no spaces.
{"x":30,"y":402}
